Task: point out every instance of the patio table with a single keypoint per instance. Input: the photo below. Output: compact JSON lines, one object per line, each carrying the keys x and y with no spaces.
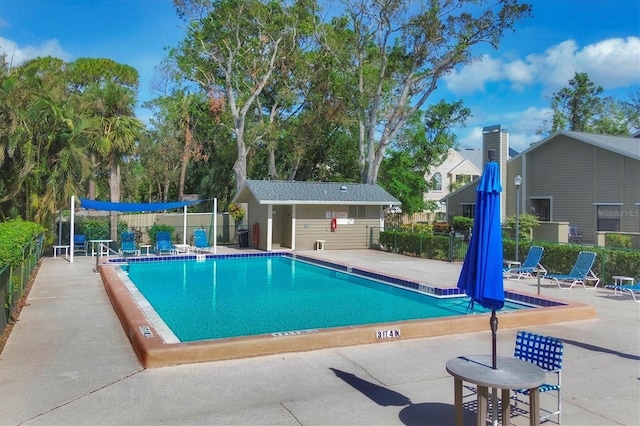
{"x":103,"y":251}
{"x":511,"y":373}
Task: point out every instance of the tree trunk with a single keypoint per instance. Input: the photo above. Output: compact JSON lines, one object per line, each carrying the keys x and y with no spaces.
{"x":186,"y":153}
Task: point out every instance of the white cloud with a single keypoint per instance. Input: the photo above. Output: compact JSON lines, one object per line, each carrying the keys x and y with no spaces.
{"x":472,"y":78}
{"x":472,"y":139}
{"x":611,"y":63}
{"x":17,"y":54}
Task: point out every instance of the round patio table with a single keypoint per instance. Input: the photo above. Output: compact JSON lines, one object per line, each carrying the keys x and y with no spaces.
{"x":511,"y":373}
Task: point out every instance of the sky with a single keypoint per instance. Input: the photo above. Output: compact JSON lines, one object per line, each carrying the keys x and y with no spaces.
{"x":510,"y":86}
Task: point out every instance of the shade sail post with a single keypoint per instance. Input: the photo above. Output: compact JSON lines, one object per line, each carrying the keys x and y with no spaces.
{"x":215,"y":226}
{"x":72,"y":227}
{"x":184,"y":226}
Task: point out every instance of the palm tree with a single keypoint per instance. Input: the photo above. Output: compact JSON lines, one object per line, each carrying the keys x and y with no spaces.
{"x":115,"y":132}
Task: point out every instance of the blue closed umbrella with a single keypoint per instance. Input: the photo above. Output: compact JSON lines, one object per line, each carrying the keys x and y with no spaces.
{"x":481,"y":275}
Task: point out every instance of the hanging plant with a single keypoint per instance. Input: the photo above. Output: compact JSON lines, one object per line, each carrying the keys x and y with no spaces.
{"x":236,"y":212}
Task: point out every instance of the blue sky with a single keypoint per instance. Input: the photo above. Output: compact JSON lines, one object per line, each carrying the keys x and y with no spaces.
{"x":510,"y":86}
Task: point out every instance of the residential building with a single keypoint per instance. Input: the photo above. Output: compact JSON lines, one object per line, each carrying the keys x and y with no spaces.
{"x":458,"y":167}
{"x":589,"y":181}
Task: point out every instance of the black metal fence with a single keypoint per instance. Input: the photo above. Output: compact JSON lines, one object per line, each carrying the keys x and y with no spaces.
{"x":447,"y":246}
{"x":558,"y":258}
{"x":13,"y":279}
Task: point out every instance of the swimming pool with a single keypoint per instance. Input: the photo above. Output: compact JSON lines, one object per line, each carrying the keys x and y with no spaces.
{"x":243,"y":296}
{"x":152,"y":342}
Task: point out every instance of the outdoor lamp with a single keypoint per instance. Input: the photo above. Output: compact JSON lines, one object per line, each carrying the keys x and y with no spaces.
{"x":518,"y":182}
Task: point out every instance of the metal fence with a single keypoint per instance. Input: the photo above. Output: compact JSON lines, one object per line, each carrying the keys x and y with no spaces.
{"x":450,"y":246}
{"x":13,"y":279}
{"x":558,"y":258}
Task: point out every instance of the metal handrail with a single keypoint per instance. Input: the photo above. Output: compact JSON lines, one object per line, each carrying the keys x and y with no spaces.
{"x":110,"y":250}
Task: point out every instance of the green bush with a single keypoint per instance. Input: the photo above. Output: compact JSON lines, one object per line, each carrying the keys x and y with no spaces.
{"x":461,"y":223}
{"x":526,"y":223}
{"x":618,"y":240}
{"x":557,"y":258}
{"x":14,"y":236}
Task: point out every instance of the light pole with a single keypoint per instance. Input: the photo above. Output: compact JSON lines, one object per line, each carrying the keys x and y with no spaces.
{"x":518,"y":182}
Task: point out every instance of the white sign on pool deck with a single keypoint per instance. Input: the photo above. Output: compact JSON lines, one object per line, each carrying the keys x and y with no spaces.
{"x":388,"y":334}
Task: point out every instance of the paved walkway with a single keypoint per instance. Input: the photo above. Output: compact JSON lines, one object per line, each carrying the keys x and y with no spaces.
{"x":68,"y":362}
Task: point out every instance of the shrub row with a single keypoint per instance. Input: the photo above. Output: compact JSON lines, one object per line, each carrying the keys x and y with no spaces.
{"x":557,"y":258}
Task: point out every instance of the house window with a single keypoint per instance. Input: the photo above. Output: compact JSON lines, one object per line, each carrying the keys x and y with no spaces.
{"x":609,"y":217}
{"x":357,"y":211}
{"x":468,"y":210}
{"x":437,"y":182}
{"x":541,"y":208}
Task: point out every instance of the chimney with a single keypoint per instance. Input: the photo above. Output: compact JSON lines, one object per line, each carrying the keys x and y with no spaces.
{"x":496,"y":139}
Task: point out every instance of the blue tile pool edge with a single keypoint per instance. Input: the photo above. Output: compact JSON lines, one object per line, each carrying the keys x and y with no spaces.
{"x":429,"y":289}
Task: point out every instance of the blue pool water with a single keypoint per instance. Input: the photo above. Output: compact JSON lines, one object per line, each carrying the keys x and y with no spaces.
{"x":230,"y":297}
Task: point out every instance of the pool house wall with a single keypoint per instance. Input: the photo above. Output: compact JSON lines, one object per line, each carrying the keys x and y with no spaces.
{"x":298,"y":227}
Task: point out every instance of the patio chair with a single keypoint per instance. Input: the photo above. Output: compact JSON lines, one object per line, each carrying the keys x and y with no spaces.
{"x":530,"y":265}
{"x":580,"y":272}
{"x":80,"y":244}
{"x":545,"y":352}
{"x":164,"y":244}
{"x":200,"y":241}
{"x":632,"y":289}
{"x":128,"y":243}
{"x":574,"y":235}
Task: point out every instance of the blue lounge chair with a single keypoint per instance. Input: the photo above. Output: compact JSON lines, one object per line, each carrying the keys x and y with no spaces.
{"x":545,"y":352}
{"x":128,"y":243}
{"x":80,"y":244}
{"x":530,"y":265}
{"x":164,"y":244}
{"x":632,"y":289}
{"x":580,"y":272}
{"x":200,"y":241}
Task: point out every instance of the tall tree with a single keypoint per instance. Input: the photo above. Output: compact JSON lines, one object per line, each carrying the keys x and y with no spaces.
{"x":234,"y":49}
{"x":42,"y":141}
{"x":424,"y":140}
{"x":393,"y":53}
{"x":115,"y":129}
{"x":576,"y":106}
{"x":580,"y":107}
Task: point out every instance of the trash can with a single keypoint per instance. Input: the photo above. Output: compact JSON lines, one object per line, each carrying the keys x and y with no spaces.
{"x":243,"y":237}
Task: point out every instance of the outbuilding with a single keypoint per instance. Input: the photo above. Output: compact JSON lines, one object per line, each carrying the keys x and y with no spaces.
{"x":313,"y":215}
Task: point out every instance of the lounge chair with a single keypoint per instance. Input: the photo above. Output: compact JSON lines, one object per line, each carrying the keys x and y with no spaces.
{"x":530,"y":265}
{"x":580,"y":272}
{"x":164,"y":244}
{"x":80,"y":244}
{"x":545,"y":352}
{"x":200,"y":241}
{"x":128,"y":244}
{"x":631,"y":289}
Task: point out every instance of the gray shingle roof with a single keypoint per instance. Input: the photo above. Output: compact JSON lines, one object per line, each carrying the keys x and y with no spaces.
{"x":293,"y":192}
{"x":627,"y":146}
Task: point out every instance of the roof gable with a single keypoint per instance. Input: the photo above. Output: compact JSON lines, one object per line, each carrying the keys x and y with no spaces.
{"x":295,"y":192}
{"x":627,"y":146}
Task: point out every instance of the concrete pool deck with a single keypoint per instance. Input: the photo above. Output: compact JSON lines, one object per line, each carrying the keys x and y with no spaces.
{"x":68,"y":361}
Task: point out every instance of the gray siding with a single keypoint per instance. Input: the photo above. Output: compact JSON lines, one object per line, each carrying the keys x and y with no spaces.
{"x":579,"y":175}
{"x":312,"y":225}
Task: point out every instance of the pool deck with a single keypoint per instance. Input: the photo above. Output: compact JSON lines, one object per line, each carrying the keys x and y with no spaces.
{"x":68,"y":361}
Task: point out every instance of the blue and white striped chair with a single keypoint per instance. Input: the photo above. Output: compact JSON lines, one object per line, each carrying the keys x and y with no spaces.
{"x":545,"y":352}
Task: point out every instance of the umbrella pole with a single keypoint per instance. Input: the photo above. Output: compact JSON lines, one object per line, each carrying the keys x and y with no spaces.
{"x":493,"y":322}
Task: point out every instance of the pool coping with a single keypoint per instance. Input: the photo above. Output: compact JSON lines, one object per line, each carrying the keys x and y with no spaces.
{"x":153,"y":351}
